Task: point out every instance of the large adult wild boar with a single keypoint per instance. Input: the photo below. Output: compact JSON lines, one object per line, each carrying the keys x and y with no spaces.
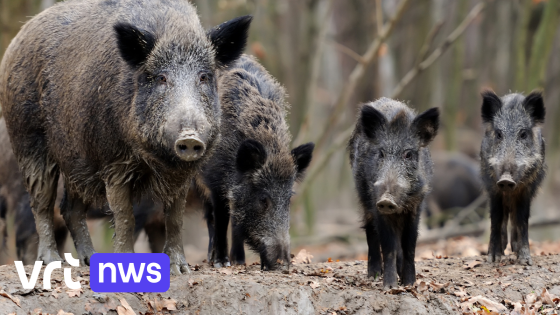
{"x":119,"y":97}
{"x":252,"y":174}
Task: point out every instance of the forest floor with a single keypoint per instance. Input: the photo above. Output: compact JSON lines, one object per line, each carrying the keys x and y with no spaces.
{"x":445,"y":285}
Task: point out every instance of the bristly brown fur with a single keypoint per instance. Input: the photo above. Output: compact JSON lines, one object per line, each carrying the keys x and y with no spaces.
{"x":79,"y":102}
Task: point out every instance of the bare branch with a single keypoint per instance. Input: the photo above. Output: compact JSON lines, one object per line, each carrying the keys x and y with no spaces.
{"x":358,"y":73}
{"x":349,"y":52}
{"x":379,"y":16}
{"x":438,"y":52}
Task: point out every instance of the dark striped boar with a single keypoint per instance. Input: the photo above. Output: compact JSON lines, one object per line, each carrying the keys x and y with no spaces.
{"x":512,"y":167}
{"x":392,"y":171}
{"x":252,"y":173}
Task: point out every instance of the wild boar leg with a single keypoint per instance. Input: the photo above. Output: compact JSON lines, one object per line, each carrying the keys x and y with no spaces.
{"x":74,"y":213}
{"x":237,"y":253}
{"x":409,"y":238}
{"x":173,"y":238}
{"x":515,"y":241}
{"x":505,"y":220}
{"x":220,"y":244}
{"x":495,"y":250}
{"x":120,"y":202}
{"x":41,"y":179}
{"x":389,"y":244}
{"x":374,"y":252}
{"x":522,"y":222}
{"x":209,"y":216}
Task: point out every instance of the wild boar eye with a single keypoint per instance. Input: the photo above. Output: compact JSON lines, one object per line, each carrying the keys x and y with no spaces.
{"x":523,"y":134}
{"x":407,"y":155}
{"x":161,"y":79}
{"x":499,"y":135}
{"x":203,"y":77}
{"x":381,"y":154}
{"x":264,"y":201}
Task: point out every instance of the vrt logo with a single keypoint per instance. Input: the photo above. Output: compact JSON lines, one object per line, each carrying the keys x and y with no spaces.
{"x":30,"y":284}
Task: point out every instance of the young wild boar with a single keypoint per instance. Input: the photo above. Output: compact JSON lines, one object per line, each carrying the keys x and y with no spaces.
{"x":392,"y":171}
{"x":120,"y":97}
{"x":512,"y":167}
{"x":252,"y":173}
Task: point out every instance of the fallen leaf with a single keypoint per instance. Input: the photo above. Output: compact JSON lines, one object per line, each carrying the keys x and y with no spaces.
{"x":460,"y":293}
{"x":125,"y":309}
{"x":171,"y":304}
{"x":547,"y":298}
{"x":396,"y":290}
{"x":530,"y":298}
{"x":505,"y":285}
{"x":488,"y":283}
{"x":489,"y":304}
{"x":61,"y":312}
{"x":438,"y":286}
{"x":13,"y":298}
{"x":303,"y":257}
{"x":472,"y":264}
{"x":226,"y":271}
{"x":422,"y":286}
{"x":314,"y":284}
{"x":329,"y":260}
{"x":75,"y":292}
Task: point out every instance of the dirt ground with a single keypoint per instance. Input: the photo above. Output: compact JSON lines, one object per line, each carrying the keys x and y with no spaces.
{"x":467,"y":285}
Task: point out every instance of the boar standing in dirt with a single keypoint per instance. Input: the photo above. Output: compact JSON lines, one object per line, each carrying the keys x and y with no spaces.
{"x":121,"y":98}
{"x":252,"y":173}
{"x":392,"y":171}
{"x":512,"y":167}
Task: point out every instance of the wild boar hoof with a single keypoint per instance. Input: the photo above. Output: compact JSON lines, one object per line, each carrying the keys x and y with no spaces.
{"x":524,"y":258}
{"x":494,"y":258}
{"x":49,"y":256}
{"x":220,"y":265}
{"x":177,"y":269}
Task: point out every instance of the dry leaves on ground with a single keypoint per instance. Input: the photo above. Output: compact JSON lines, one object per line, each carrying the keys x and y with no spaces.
{"x":61,"y":312}
{"x":157,"y":306}
{"x":480,"y":301}
{"x":75,"y":292}
{"x":472,"y":264}
{"x":303,"y":257}
{"x":13,"y":298}
{"x":125,"y":309}
{"x":314,"y":284}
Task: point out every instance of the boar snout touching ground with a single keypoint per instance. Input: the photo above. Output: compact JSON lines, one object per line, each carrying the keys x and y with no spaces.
{"x":392,"y":170}
{"x":512,"y":167}
{"x":251,"y":176}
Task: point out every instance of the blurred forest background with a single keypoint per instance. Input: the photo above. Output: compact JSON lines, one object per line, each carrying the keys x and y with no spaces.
{"x":332,"y":55}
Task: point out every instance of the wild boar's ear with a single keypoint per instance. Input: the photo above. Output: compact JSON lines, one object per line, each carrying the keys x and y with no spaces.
{"x":229,"y":39}
{"x":302,"y":157}
{"x":426,"y":125}
{"x":491,"y":104}
{"x":534,"y":105}
{"x":251,"y":156}
{"x":372,"y":121}
{"x":134,"y":44}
